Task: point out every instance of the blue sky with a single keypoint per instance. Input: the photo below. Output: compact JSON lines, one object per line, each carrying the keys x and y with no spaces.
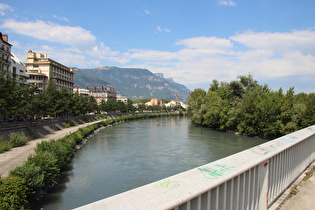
{"x":191,"y":41}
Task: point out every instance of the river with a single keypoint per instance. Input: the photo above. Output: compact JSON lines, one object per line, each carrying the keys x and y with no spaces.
{"x":135,"y":153}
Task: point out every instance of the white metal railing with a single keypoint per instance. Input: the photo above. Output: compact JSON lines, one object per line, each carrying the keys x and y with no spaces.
{"x":251,"y":179}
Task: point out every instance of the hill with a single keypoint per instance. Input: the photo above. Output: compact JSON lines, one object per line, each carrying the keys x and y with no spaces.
{"x":85,"y":80}
{"x":134,"y":83}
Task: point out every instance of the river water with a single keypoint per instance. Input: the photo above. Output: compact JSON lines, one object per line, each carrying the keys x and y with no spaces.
{"x":135,"y":153}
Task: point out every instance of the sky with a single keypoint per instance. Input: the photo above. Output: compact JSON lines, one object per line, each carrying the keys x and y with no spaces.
{"x":191,"y":41}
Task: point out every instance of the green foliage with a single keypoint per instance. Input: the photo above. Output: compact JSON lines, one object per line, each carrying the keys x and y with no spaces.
{"x":17,"y":139}
{"x":13,"y":193}
{"x":67,"y":125}
{"x":48,"y":164}
{"x":4,"y":145}
{"x":73,"y":123}
{"x":247,"y":107}
{"x":55,"y":148}
{"x":32,"y":175}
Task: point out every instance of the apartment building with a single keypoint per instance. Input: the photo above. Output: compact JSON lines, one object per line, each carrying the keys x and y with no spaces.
{"x":81,"y":91}
{"x":5,"y":53}
{"x":42,"y":69}
{"x":18,"y":69}
{"x":102,"y":93}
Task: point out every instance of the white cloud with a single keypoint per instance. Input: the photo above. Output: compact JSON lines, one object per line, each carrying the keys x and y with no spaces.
{"x":160,"y":29}
{"x":266,"y":55}
{"x":227,"y":3}
{"x":147,"y":12}
{"x":73,"y":36}
{"x":213,"y":44}
{"x":61,"y":18}
{"x":4,"y":8}
{"x":279,"y":43}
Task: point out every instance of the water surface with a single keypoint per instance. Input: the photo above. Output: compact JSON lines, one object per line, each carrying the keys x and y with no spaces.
{"x":136,"y":153}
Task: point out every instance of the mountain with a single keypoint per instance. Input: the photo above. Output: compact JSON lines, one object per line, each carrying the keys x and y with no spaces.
{"x":136,"y":83}
{"x":85,"y":80}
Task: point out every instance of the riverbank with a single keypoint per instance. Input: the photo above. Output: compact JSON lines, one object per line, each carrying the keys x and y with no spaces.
{"x":14,"y":157}
{"x":26,"y":180}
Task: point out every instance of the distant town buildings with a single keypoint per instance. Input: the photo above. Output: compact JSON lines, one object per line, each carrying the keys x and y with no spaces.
{"x":41,"y":69}
{"x":102,"y":93}
{"x":81,"y":91}
{"x":122,"y":98}
{"x":156,"y":102}
{"x":5,"y":53}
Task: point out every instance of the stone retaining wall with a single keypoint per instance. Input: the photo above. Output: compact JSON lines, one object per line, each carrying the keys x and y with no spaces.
{"x":39,"y":128}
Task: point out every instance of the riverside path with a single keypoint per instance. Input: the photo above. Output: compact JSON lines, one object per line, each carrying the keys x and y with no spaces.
{"x":15,"y":156}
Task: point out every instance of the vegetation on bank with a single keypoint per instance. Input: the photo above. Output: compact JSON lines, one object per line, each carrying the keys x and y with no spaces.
{"x":34,"y":176}
{"x":25,"y":101}
{"x":15,"y":140}
{"x":245,"y":106}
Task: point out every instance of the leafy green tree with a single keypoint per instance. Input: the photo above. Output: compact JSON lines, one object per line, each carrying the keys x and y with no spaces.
{"x":92,"y":104}
{"x":50,"y":98}
{"x":63,"y":102}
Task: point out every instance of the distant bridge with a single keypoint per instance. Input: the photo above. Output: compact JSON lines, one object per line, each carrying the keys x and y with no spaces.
{"x":251,"y":179}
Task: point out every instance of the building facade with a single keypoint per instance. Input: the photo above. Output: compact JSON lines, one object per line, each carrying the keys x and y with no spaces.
{"x":42,"y":69}
{"x":18,"y":69}
{"x":122,"y":98}
{"x":5,"y":53}
{"x":81,"y":91}
{"x":102,"y":93}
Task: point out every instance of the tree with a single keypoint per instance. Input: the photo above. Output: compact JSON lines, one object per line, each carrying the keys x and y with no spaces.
{"x":92,"y":104}
{"x":50,"y":98}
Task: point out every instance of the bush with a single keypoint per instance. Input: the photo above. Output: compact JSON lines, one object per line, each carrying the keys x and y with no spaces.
{"x":32,"y":175}
{"x":17,"y":139}
{"x":48,"y":164}
{"x":73,"y":123}
{"x":13,"y":193}
{"x":67,"y":125}
{"x":56,"y":148}
{"x":4,"y":146}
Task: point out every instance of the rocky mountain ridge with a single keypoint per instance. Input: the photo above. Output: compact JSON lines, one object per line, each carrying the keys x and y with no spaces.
{"x":134,"y":83}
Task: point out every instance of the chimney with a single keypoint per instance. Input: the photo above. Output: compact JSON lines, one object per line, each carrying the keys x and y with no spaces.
{"x":5,"y":37}
{"x":94,"y":88}
{"x":102,"y":88}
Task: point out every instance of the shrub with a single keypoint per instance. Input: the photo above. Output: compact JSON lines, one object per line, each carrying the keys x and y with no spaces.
{"x":56,"y":148}
{"x":73,"y":123}
{"x":48,"y":164}
{"x":17,"y":139}
{"x":32,"y":175}
{"x":67,"y":125}
{"x":13,"y":193}
{"x":4,"y":146}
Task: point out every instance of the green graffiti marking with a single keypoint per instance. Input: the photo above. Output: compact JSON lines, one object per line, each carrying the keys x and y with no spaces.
{"x":216,"y":171}
{"x":167,"y":185}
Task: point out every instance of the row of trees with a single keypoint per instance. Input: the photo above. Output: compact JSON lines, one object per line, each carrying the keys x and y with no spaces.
{"x":247,"y":107}
{"x":23,"y":100}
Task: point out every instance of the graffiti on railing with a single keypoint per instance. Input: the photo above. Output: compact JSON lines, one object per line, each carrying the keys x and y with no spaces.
{"x":215,"y":171}
{"x":167,"y":185}
{"x":286,"y":140}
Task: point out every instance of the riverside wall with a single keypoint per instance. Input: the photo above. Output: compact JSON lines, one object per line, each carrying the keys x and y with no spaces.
{"x":39,"y":128}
